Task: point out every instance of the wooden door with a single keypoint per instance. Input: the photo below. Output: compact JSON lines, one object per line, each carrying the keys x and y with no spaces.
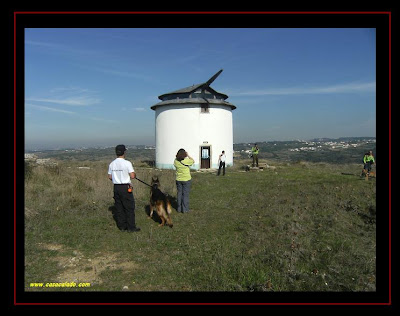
{"x":205,"y":157}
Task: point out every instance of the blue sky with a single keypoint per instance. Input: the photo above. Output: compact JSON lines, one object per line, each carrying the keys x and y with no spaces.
{"x":94,"y":87}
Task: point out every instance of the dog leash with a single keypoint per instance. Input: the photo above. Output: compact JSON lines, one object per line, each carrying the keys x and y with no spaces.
{"x":144,"y":182}
{"x":148,"y":185}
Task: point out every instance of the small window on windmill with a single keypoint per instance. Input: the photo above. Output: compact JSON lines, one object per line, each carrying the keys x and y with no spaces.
{"x":205,"y":108}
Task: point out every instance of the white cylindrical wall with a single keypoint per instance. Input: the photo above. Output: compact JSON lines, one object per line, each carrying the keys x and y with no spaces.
{"x":185,"y":126}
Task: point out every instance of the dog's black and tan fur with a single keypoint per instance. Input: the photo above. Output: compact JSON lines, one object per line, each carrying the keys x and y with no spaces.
{"x":367,"y":175}
{"x":160,"y":202}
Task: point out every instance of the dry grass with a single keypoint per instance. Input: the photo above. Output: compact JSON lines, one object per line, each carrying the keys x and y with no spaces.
{"x":297,"y":227}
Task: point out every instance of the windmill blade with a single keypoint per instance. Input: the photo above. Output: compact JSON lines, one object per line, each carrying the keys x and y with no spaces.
{"x":213,"y":78}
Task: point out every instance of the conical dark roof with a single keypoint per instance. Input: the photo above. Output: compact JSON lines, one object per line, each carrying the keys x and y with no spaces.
{"x":192,"y":89}
{"x":199,"y":93}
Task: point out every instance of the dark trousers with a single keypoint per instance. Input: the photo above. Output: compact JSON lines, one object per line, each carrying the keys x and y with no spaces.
{"x":221,"y":165}
{"x":255,"y":160}
{"x":124,"y":207}
{"x":368,"y":166}
{"x":183,"y":188}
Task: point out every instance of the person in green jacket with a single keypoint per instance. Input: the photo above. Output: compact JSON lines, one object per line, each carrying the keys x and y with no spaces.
{"x":254,"y":153}
{"x":182,"y":165}
{"x":368,"y":160}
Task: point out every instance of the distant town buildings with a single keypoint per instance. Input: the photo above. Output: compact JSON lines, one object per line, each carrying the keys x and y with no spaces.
{"x":320,"y":145}
{"x":30,"y":157}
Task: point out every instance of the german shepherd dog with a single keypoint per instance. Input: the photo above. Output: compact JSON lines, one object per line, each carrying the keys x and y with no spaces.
{"x":160,"y":202}
{"x":367,"y":174}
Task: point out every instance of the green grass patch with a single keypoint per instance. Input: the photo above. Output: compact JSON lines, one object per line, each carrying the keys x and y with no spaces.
{"x":297,"y":227}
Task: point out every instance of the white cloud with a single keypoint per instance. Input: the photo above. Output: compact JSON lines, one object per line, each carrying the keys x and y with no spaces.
{"x":49,"y":109}
{"x":70,"y":96}
{"x":135,"y":109}
{"x":73,"y":101}
{"x":139,"y":109}
{"x":340,"y":88}
{"x":60,"y":48}
{"x":100,"y":119}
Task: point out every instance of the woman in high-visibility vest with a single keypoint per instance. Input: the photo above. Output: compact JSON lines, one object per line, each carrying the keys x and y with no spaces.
{"x":368,"y":160}
{"x":182,"y":165}
{"x":254,"y":153}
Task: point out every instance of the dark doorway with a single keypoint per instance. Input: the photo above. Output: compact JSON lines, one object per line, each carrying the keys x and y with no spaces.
{"x":205,"y":153}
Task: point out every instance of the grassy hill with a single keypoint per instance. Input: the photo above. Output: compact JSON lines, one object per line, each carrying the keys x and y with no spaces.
{"x":296,"y":227}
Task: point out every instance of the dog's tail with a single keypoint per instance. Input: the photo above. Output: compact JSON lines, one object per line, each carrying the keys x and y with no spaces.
{"x":168,"y":206}
{"x":169,"y":212}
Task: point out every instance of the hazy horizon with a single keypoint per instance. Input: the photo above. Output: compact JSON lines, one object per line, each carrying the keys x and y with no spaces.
{"x":109,"y":145}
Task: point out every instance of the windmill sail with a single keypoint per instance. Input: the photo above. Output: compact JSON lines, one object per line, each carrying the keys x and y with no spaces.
{"x":210,"y":81}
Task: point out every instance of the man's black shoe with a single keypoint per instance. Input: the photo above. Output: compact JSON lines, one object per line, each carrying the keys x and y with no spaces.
{"x":136,"y":229}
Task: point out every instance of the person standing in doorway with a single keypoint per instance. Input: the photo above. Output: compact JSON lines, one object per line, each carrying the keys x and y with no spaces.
{"x":254,"y":153}
{"x":120,"y":172}
{"x":182,"y":165}
{"x":221,"y":162}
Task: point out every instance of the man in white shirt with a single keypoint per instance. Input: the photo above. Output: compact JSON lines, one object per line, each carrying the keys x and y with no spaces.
{"x":120,"y":172}
{"x":221,"y":161}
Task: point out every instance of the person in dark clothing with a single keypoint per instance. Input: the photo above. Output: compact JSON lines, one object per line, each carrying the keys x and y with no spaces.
{"x":120,"y":172}
{"x":221,"y":162}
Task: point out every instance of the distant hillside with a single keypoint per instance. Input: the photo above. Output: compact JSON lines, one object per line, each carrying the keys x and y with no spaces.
{"x":341,"y":150}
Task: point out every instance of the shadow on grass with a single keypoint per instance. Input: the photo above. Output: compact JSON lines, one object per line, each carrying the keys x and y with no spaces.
{"x":155,"y":216}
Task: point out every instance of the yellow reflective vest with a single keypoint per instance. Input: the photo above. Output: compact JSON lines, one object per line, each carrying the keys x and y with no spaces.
{"x":183,"y":169}
{"x":254,"y":151}
{"x":369,"y":158}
